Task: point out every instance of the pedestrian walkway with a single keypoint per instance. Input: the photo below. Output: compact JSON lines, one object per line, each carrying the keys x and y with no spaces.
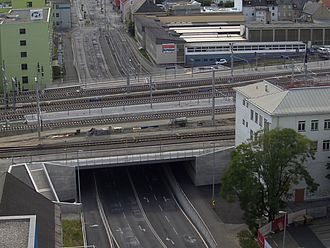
{"x":305,"y":237}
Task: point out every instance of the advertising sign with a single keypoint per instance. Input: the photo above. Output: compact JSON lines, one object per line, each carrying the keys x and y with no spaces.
{"x":36,"y":14}
{"x":168,"y":48}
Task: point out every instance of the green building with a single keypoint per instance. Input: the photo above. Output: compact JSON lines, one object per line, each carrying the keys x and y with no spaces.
{"x":19,"y":4}
{"x":25,"y":41}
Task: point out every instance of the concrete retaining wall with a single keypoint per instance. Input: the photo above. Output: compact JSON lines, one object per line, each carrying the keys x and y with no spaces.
{"x":63,"y":179}
{"x":204,"y":169}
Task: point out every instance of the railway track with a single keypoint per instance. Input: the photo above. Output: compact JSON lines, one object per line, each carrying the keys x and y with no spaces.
{"x":76,"y":91}
{"x":91,"y":121}
{"x":109,"y":101}
{"x":116,"y":143}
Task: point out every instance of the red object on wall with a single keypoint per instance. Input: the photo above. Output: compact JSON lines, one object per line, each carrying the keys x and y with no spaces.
{"x":261,"y":240}
{"x":117,"y":3}
{"x":278,"y":224}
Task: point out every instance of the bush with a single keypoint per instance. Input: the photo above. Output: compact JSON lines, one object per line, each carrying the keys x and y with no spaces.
{"x":247,"y":240}
{"x":72,"y":234}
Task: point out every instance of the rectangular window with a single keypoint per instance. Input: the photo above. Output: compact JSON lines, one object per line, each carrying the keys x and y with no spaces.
{"x":251,"y":134}
{"x":24,"y":66}
{"x":22,"y":42}
{"x":314,"y":146}
{"x":243,"y":102}
{"x":314,"y":125}
{"x":25,"y":80}
{"x":243,"y":122}
{"x":23,"y":54}
{"x":251,"y":115}
{"x":326,"y":145}
{"x":301,"y":126}
{"x":22,"y":31}
{"x":326,"y":124}
{"x":260,"y":120}
{"x":256,"y":117}
{"x":246,"y":124}
{"x":247,"y":104}
{"x":57,"y":14}
{"x":29,"y":4}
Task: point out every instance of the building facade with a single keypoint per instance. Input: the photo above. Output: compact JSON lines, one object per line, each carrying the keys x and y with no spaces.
{"x":62,"y":14}
{"x":25,"y":41}
{"x":263,"y":106}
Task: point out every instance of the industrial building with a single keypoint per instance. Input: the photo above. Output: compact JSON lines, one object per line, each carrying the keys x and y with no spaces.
{"x":25,"y":42}
{"x":263,"y":106}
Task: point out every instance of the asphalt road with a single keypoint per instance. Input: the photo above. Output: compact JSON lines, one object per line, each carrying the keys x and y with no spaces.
{"x":162,"y":210}
{"x":95,"y":231}
{"x":140,"y":210}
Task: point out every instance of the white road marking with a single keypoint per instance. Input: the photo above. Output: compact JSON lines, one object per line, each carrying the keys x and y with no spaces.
{"x":160,"y":208}
{"x":168,"y":220}
{"x":175,"y":231}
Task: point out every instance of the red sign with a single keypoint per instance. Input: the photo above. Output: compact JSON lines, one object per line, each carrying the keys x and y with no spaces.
{"x":168,"y":48}
{"x":261,"y":240}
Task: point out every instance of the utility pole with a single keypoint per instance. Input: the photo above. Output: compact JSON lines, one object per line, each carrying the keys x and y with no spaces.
{"x":14,"y":87}
{"x":150,"y":85}
{"x":292,"y":70}
{"x":231,"y":62}
{"x":213,"y":96}
{"x":5,"y":94}
{"x":213,"y":171}
{"x":36,"y":79}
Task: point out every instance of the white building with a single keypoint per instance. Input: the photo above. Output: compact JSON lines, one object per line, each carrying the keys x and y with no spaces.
{"x":307,"y":110}
{"x":62,"y":14}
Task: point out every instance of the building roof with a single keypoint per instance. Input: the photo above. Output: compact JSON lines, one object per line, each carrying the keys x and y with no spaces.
{"x":285,"y":24}
{"x":296,"y":101}
{"x":326,"y":3}
{"x":16,"y":198}
{"x":23,"y":16}
{"x":311,"y":7}
{"x":259,"y":89}
{"x":149,"y":7}
{"x":18,"y":231}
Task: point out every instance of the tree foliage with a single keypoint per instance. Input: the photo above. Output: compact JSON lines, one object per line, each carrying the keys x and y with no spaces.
{"x":262,"y":172}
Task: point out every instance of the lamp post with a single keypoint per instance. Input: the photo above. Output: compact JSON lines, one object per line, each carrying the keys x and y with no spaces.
{"x":78,"y":177}
{"x":283,"y":241}
{"x":213,"y":173}
{"x":192,"y":67}
{"x":213,"y":96}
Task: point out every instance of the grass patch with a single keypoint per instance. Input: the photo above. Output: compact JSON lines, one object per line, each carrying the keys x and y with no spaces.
{"x":145,"y":54}
{"x":246,"y":239}
{"x":72,"y":234}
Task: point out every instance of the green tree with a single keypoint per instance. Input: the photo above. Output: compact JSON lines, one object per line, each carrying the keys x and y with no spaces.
{"x":262,"y":171}
{"x":205,"y":2}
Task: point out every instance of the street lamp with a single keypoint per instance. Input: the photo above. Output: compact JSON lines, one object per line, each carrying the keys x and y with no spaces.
{"x":213,"y":95}
{"x":78,"y":177}
{"x":192,"y":67}
{"x":285,"y":213}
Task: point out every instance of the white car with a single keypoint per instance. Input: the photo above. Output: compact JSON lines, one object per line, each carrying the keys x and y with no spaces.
{"x":221,"y":61}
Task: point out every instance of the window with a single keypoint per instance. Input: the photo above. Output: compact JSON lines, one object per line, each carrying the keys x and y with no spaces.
{"x":251,"y":134}
{"x":314,"y":146}
{"x":327,"y":124}
{"x":243,"y":102}
{"x":260,"y":120}
{"x":57,"y":14}
{"x":23,"y":54}
{"x":22,"y":42}
{"x":57,"y":6}
{"x":246,"y":124}
{"x":301,"y":126}
{"x":25,"y":80}
{"x":314,"y":125}
{"x":251,"y":115}
{"x":24,"y":66}
{"x":326,"y":145}
{"x":247,"y":104}
{"x":243,"y":122}
{"x":29,"y":4}
{"x":256,"y":117}
{"x":22,"y":31}
{"x":273,"y":14}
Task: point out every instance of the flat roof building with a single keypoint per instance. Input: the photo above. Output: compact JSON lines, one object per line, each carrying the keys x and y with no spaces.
{"x":263,"y":106}
{"x":25,"y":41}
